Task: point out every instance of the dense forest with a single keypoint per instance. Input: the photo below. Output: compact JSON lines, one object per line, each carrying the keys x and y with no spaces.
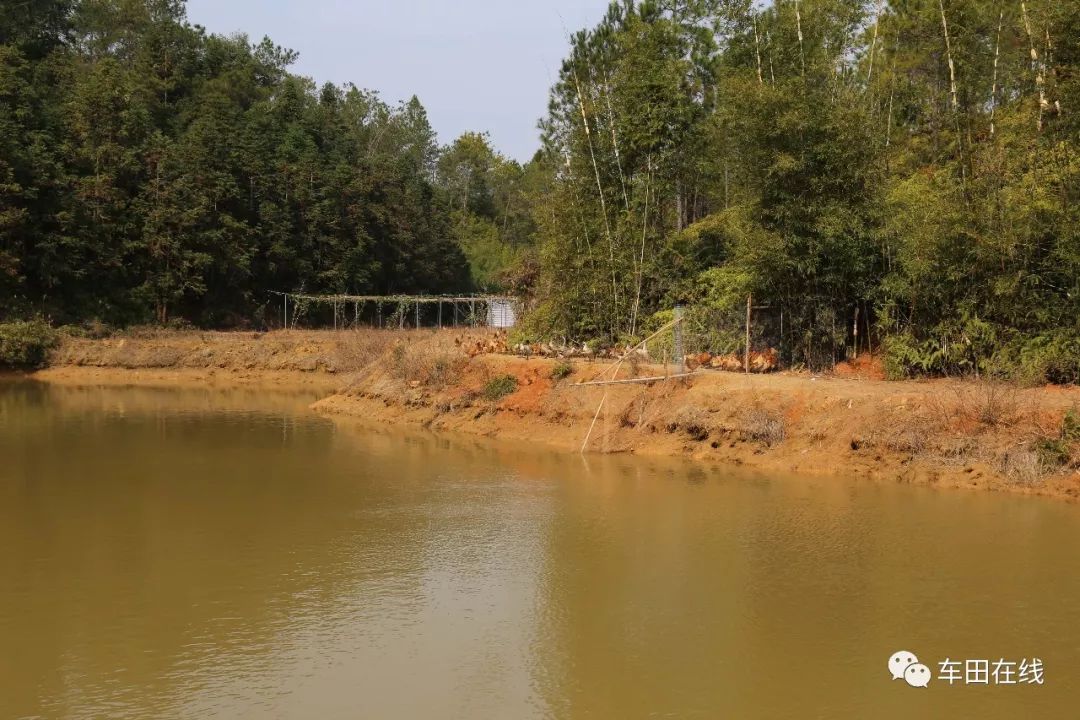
{"x":895,"y":175}
{"x":152,"y":172}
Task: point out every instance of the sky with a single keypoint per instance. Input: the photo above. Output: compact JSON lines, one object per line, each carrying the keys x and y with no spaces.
{"x":476,"y":65}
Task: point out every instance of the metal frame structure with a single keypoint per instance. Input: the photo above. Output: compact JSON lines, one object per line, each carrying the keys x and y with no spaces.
{"x":465,"y":310}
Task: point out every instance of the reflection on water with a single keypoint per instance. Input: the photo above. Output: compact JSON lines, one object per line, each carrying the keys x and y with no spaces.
{"x":195,"y":554}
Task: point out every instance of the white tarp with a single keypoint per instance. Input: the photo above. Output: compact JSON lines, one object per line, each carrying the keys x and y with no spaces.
{"x":501,"y":314}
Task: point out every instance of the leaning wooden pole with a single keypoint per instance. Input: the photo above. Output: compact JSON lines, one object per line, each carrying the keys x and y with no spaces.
{"x":615,"y":372}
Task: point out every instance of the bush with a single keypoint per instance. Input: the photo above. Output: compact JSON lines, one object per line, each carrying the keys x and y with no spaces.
{"x":1070,"y":426}
{"x":25,"y":344}
{"x":562,"y":371}
{"x":1055,"y":453}
{"x":499,"y":387}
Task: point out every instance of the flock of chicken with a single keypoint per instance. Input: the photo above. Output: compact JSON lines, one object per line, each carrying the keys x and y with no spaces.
{"x":759,"y":362}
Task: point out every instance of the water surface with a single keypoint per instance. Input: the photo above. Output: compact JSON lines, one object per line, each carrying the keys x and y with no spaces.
{"x":200,"y":554}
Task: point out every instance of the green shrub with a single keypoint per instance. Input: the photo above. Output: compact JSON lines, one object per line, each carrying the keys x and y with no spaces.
{"x":975,"y":346}
{"x":1070,"y":427}
{"x":1057,"y":452}
{"x":1053,"y":453}
{"x":25,"y":344}
{"x":562,"y":371}
{"x":499,"y":387}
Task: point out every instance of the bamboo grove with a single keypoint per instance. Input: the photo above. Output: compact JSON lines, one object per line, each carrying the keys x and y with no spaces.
{"x":914,"y":161}
{"x":907,"y":168}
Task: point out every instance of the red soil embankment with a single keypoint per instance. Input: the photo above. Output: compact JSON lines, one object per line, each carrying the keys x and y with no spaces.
{"x":944,"y":432}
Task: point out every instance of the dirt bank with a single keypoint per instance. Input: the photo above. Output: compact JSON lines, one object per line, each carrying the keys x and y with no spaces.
{"x":944,"y":433}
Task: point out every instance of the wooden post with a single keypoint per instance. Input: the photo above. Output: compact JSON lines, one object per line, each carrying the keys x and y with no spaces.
{"x":855,"y":329}
{"x":417,"y":314}
{"x":286,"y":311}
{"x":869,"y":344}
{"x":781,"y":333}
{"x":679,"y":353}
{"x":440,"y":314}
{"x":746,"y":352}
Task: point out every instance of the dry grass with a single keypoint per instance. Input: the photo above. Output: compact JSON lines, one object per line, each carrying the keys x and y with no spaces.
{"x":764,"y":426}
{"x":692,"y":419}
{"x":913,"y":439}
{"x":432,"y":368}
{"x":984,"y":404}
{"x":1022,"y":465}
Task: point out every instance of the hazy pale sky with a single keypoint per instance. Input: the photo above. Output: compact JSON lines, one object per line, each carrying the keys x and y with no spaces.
{"x":482,"y":65}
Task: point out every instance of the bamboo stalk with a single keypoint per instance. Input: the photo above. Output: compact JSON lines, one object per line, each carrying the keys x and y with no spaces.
{"x":798,"y":26}
{"x":641,"y":259}
{"x":768,"y":47}
{"x":615,"y":371}
{"x":997,"y":56}
{"x":588,"y":435}
{"x":600,"y":190}
{"x":628,"y":381}
{"x":757,"y":51}
{"x":615,"y":144}
{"x":873,"y":43}
{"x":948,"y":53}
{"x":1035,"y":65}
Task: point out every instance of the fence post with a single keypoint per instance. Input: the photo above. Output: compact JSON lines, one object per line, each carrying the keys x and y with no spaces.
{"x":855,"y":330}
{"x":746,"y":351}
{"x":677,"y":330}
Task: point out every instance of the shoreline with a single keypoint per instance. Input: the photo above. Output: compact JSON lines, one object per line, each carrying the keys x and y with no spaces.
{"x":938,"y":433}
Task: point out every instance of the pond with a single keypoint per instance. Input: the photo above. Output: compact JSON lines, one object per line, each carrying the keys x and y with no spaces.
{"x":210,"y":553}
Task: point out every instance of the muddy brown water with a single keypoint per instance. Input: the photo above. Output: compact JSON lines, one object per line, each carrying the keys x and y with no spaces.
{"x":200,"y":554}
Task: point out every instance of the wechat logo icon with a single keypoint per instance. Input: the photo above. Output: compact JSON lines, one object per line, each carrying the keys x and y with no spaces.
{"x":903,"y":665}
